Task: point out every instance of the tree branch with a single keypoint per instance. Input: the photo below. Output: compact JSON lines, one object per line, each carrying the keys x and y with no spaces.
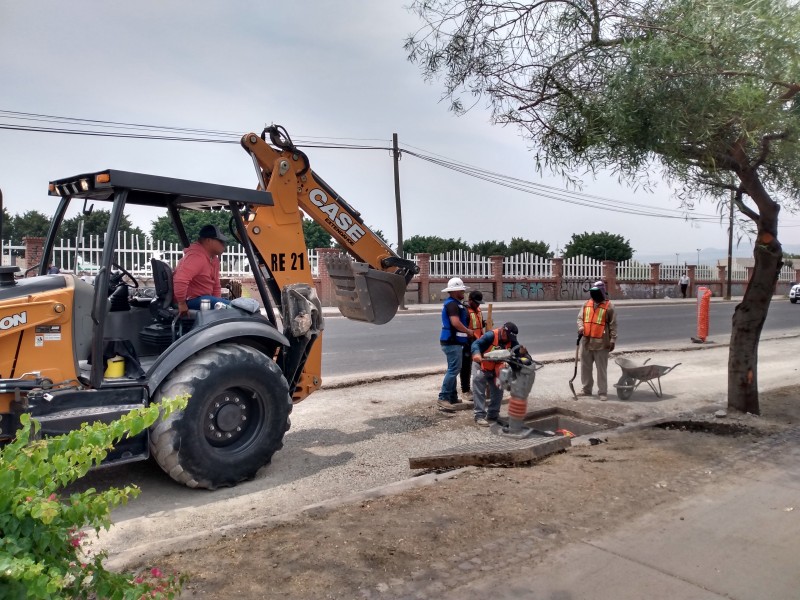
{"x":765,"y":147}
{"x":744,"y":208}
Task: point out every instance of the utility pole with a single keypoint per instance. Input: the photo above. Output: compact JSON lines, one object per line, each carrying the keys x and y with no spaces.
{"x":730,"y":248}
{"x":396,"y":160}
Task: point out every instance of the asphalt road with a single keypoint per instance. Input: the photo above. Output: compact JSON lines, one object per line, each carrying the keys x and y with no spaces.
{"x":410,"y":341}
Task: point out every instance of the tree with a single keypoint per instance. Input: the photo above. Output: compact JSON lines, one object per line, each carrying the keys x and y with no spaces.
{"x":95,"y":223}
{"x":492,"y":248}
{"x":599,"y":246}
{"x":193,"y":220}
{"x":31,"y":223}
{"x":432,"y":244}
{"x":315,"y":235}
{"x":7,"y":232}
{"x":702,"y":92}
{"x":521,"y":246}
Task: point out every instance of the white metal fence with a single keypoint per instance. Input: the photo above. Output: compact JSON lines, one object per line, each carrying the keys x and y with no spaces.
{"x":632,"y":270}
{"x":582,"y":267}
{"x":527,"y":266}
{"x":460,"y":263}
{"x":134,"y":254}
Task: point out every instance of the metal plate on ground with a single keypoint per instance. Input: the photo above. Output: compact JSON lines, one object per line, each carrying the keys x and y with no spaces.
{"x":495,"y":451}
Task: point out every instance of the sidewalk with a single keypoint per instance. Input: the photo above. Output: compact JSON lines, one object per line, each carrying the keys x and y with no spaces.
{"x":738,"y":542}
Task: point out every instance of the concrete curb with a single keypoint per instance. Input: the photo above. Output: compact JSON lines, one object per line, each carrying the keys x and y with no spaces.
{"x":137,"y":556}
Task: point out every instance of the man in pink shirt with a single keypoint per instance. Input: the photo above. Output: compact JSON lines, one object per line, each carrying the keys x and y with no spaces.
{"x":196,"y":277}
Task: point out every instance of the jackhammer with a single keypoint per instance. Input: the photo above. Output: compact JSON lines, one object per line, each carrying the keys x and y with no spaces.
{"x":517,"y":376}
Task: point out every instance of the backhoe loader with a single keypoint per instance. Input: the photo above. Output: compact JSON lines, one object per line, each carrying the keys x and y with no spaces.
{"x":243,"y":367}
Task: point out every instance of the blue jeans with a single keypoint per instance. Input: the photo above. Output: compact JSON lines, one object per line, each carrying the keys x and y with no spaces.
{"x":481,"y":384}
{"x":454,"y":354}
{"x":194,"y":303}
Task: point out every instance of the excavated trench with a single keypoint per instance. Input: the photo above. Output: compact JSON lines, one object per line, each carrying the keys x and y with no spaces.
{"x":713,"y":427}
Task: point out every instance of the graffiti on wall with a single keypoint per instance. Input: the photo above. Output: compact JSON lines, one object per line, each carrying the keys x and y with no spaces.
{"x":519,"y":290}
{"x":575,"y":290}
{"x":539,"y":290}
{"x":640,"y":291}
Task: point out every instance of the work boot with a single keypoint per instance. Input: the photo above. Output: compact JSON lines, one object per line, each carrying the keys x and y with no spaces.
{"x":603,"y":397}
{"x":482,"y":422}
{"x":445,"y":405}
{"x":584,"y":394}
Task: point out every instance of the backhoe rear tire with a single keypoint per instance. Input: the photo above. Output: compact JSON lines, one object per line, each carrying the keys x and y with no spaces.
{"x":237,"y":414}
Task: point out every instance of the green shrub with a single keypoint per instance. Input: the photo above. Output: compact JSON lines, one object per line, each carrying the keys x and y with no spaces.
{"x":41,"y":531}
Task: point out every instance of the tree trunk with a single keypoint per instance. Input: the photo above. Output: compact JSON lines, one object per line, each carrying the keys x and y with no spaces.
{"x":750,"y":314}
{"x":748,"y":321}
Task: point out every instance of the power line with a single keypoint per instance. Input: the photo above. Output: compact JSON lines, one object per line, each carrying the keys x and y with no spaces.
{"x":100,"y":128}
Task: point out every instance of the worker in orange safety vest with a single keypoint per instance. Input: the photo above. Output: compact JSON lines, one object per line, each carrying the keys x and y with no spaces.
{"x":485,"y":373}
{"x":475,"y":325}
{"x":597,"y":323}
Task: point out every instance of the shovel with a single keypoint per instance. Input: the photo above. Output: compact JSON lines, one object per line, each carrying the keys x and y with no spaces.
{"x":575,"y":372}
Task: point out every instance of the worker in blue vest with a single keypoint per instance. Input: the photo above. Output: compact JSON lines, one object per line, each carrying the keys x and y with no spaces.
{"x":453,"y":338}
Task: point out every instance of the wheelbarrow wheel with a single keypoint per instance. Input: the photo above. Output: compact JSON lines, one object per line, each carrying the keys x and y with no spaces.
{"x":625,"y":387}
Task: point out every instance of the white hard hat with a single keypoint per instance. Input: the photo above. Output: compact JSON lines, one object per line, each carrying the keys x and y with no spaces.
{"x":455,"y":285}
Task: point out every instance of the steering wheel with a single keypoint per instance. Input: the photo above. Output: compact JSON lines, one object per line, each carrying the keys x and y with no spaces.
{"x":125,"y":273}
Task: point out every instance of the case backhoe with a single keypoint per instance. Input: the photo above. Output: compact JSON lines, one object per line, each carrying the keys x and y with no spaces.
{"x":242,"y":367}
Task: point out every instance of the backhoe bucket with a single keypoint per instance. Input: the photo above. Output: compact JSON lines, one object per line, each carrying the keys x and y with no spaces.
{"x":364,"y":293}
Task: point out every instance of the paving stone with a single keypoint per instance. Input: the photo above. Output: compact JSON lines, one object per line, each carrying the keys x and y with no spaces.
{"x":496,"y":450}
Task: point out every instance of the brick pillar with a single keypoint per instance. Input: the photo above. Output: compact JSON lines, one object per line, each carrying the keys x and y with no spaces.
{"x":797,"y":275}
{"x":749,"y":273}
{"x":33,"y":251}
{"x":655,"y":276}
{"x":690,"y":271}
{"x":655,"y":273}
{"x":325,"y":289}
{"x":497,"y":277}
{"x":723,"y":279}
{"x":610,"y":277}
{"x":424,"y":264}
{"x":558,"y":275}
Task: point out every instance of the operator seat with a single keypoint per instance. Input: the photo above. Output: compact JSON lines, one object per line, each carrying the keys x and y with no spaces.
{"x":167,"y":326}
{"x":161,"y":306}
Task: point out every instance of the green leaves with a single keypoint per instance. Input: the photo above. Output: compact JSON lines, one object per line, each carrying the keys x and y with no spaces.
{"x":695,"y":85}
{"x":600,"y":246}
{"x":41,"y":549}
{"x":435,"y":245}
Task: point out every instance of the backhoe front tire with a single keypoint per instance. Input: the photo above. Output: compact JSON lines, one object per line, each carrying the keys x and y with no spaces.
{"x":237,"y":414}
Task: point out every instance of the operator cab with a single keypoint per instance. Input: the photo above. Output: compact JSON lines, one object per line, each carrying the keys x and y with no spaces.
{"x":108,"y":317}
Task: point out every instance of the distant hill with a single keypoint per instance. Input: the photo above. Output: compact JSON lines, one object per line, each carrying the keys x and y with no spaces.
{"x":707,"y":255}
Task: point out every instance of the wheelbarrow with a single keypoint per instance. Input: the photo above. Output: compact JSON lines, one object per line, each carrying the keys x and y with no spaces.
{"x":634,"y":375}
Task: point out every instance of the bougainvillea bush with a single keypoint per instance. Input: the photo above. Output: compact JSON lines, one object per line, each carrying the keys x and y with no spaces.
{"x":42,"y":529}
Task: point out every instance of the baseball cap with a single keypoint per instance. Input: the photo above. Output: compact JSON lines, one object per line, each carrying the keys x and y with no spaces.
{"x":212,"y":232}
{"x":476,"y":297}
{"x":512,"y":331}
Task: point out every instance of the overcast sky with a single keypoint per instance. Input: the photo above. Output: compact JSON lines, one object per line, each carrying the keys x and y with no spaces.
{"x":322,"y":70}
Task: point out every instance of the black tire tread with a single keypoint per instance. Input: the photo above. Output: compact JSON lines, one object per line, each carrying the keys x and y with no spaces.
{"x":164,"y":445}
